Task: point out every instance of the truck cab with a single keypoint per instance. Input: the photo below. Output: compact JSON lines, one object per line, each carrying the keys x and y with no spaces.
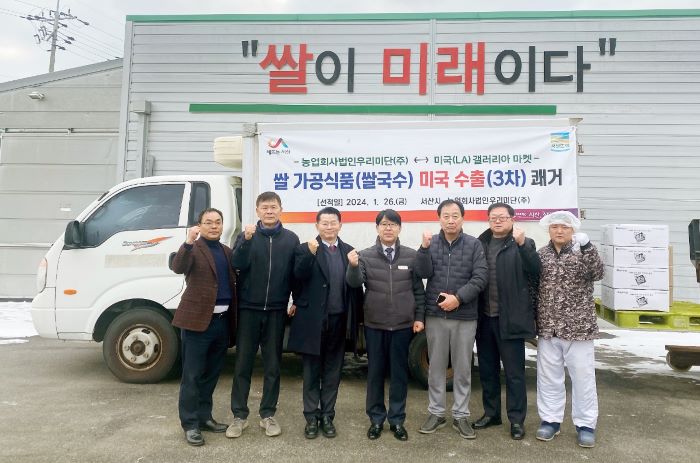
{"x":108,"y":279}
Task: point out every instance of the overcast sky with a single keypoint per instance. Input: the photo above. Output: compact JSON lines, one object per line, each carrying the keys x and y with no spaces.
{"x":102,"y":38}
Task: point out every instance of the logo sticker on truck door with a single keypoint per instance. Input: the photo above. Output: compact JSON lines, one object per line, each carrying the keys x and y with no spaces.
{"x":146,"y":244}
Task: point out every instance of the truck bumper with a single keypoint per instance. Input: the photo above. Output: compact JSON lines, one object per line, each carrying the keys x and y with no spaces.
{"x":44,"y":313}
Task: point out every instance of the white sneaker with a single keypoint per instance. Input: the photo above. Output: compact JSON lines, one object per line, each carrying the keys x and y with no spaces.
{"x":236,"y":428}
{"x":271,"y":427}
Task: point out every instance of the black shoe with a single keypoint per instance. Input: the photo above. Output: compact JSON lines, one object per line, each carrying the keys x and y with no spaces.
{"x":212,"y":426}
{"x":374,"y":431}
{"x":311,"y":429}
{"x":517,"y":431}
{"x":327,"y":427}
{"x":487,"y":421}
{"x":194,"y":437}
{"x":399,"y":431}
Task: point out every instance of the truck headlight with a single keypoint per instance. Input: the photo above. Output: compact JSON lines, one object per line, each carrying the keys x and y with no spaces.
{"x":41,"y":275}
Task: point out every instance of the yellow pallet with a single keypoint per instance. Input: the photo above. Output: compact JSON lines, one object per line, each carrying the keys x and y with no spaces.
{"x":683,"y":316}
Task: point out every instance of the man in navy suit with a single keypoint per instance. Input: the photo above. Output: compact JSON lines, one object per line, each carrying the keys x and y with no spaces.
{"x":324,"y":309}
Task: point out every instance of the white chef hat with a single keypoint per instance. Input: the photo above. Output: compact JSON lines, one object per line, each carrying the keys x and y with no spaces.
{"x":561,"y":218}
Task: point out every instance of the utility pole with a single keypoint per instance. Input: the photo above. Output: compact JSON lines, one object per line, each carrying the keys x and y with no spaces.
{"x":54,"y":35}
{"x":54,"y":20}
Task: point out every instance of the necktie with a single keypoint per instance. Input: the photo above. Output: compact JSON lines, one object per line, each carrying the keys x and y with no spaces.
{"x":332,"y":248}
{"x":389,"y":253}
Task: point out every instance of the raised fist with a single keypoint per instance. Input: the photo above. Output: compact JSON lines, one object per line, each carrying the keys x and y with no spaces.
{"x":581,"y":239}
{"x":519,"y":235}
{"x":353,"y":258}
{"x":427,"y":236}
{"x":192,"y":234}
{"x":313,"y":246}
{"x":249,"y":231}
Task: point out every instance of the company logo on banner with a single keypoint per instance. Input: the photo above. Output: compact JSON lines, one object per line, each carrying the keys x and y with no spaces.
{"x":414,"y":169}
{"x":277,"y":146}
{"x":560,"y":142}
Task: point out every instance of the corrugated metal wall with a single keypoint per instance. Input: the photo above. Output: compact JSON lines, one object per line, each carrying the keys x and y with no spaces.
{"x":640,"y":106}
{"x":57,"y":155}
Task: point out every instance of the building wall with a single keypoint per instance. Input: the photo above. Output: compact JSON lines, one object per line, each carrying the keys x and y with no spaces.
{"x":57,"y":155}
{"x":640,"y":107}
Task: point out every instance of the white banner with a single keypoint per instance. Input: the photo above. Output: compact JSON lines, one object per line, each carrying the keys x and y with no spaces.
{"x":413,"y":169}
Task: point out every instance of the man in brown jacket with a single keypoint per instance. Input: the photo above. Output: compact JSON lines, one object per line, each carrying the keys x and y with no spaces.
{"x":206,"y":317}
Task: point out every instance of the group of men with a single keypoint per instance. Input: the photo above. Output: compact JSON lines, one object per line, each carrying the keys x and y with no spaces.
{"x":497,"y":290}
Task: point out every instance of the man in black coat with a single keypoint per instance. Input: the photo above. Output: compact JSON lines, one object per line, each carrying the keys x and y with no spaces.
{"x":325,"y":308}
{"x":506,"y":318}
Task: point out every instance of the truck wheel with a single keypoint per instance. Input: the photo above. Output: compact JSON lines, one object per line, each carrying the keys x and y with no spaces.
{"x":675,"y":365}
{"x":418,"y":361}
{"x":140,"y":346}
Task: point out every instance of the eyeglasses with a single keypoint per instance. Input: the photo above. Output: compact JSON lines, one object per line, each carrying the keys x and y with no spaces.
{"x":389,"y":225}
{"x":211,"y":224}
{"x":499,"y":218}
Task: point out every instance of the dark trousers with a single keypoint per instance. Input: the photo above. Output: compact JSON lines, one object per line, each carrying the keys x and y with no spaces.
{"x":387,"y":351}
{"x":322,"y":372}
{"x":492,"y":351}
{"x":264,"y":329}
{"x":203,"y":356}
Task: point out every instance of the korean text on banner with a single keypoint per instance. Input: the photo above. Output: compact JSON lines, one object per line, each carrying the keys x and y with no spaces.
{"x":413,"y":169}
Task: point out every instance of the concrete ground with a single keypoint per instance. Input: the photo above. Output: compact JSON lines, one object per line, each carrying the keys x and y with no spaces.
{"x":60,"y":403}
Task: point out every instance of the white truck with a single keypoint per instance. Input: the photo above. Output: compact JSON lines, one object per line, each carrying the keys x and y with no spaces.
{"x":107,"y":279}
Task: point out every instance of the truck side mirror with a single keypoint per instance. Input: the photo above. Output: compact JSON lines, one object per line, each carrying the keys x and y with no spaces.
{"x":73,"y":237}
{"x":694,"y":244}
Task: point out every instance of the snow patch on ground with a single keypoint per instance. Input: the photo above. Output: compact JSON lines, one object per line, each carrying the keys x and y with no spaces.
{"x":15,"y":322}
{"x":637,"y":351}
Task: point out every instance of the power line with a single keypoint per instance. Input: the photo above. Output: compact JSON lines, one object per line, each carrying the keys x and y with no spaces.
{"x":70,"y":39}
{"x":56,"y":20}
{"x":31,"y":4}
{"x":121,"y":39}
{"x":10,"y":12}
{"x":78,"y":54}
{"x":81,"y":33}
{"x":49,"y":28}
{"x":95,"y":54}
{"x":101,"y":12}
{"x":98,"y":52}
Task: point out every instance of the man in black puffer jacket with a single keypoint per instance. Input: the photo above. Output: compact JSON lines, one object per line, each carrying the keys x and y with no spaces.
{"x":455,"y":266}
{"x":394,"y":309}
{"x":506,"y":318}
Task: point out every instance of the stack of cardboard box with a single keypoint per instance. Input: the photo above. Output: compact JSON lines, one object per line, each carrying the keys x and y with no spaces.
{"x":637,"y":267}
